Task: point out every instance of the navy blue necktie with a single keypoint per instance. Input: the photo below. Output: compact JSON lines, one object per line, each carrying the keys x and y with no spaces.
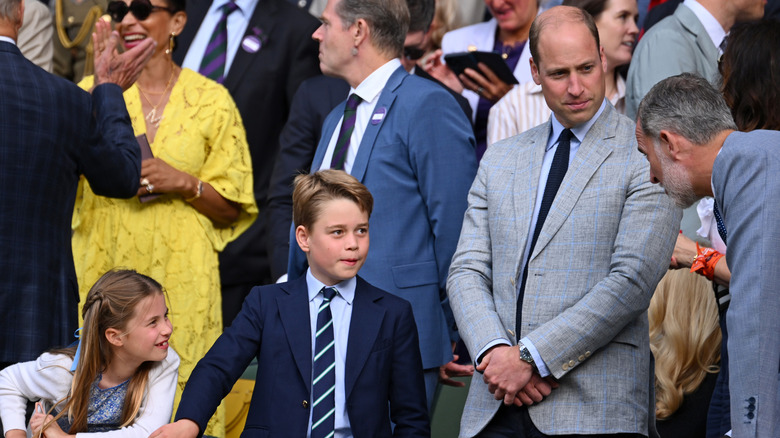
{"x":324,"y":376}
{"x":560,"y":165}
{"x":719,"y":222}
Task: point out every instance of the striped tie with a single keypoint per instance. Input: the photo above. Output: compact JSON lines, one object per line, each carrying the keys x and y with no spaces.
{"x":324,"y":383}
{"x":213,"y":64}
{"x":347,"y":126}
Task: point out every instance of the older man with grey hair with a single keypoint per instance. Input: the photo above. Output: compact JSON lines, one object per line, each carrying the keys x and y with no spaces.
{"x":685,"y":130}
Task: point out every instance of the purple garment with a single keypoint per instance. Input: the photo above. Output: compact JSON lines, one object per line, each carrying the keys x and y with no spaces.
{"x":483,"y":106}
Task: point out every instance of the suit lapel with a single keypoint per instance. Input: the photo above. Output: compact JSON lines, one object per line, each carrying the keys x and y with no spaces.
{"x":385,"y":102}
{"x":591,"y":153}
{"x":690,"y":22}
{"x":298,"y":329}
{"x":367,"y":318}
{"x":526,"y":184}
{"x":261,"y":25}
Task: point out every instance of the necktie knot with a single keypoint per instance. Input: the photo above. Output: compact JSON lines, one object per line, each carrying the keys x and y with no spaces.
{"x":353,"y":101}
{"x":329,"y":293}
{"x":566,"y":136}
{"x":229,"y":7}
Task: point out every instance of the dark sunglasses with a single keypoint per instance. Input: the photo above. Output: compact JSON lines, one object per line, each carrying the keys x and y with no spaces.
{"x":413,"y":53}
{"x":141,"y":9}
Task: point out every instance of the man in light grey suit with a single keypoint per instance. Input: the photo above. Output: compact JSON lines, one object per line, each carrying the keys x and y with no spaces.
{"x":583,"y":274}
{"x":689,"y":137}
{"x":690,"y":40}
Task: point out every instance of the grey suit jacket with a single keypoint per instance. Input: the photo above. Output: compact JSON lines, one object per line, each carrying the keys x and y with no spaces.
{"x":604,"y":246}
{"x":677,"y":44}
{"x":747,"y":188}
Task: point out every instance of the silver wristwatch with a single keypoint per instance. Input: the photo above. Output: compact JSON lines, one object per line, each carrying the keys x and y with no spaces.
{"x":525,"y":355}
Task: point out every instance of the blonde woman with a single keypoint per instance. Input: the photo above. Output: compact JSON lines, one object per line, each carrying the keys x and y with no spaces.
{"x":685,"y":340}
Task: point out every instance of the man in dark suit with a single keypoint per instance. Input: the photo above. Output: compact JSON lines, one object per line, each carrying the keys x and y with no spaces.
{"x":336,"y":356}
{"x":269,"y":53}
{"x":315,"y":98}
{"x":51,"y":132}
{"x":413,"y":147}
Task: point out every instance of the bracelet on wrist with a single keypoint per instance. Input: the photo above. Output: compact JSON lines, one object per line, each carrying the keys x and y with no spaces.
{"x":198,"y":194}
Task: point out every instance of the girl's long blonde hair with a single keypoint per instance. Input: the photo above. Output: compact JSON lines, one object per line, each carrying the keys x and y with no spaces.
{"x":684,"y":337}
{"x":111,"y":303}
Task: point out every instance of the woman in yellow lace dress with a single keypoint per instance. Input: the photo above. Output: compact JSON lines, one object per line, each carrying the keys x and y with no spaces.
{"x":202,"y":172}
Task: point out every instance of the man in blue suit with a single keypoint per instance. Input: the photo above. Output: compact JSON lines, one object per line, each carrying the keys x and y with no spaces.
{"x":51,"y":132}
{"x":336,"y":356}
{"x":687,"y":133}
{"x":409,"y":142}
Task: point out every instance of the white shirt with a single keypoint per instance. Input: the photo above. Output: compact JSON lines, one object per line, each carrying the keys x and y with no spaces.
{"x":341,"y":311}
{"x":7,"y":39}
{"x":711,"y":25}
{"x":237,"y":23}
{"x":369,"y":90}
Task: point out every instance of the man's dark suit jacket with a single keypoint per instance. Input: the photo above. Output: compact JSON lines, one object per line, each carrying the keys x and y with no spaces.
{"x":383,"y":364}
{"x":48,"y":137}
{"x":314,"y":100}
{"x":263,"y":85}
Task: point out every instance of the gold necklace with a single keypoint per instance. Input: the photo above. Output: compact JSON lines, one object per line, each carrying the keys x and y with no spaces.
{"x":152,"y":115}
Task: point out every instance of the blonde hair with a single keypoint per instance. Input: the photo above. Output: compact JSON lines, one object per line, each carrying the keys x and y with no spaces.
{"x":684,"y":337}
{"x":314,"y":189}
{"x":110,"y":303}
{"x":446,"y":17}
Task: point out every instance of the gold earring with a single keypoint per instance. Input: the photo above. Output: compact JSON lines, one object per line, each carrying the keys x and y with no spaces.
{"x":171,"y":44}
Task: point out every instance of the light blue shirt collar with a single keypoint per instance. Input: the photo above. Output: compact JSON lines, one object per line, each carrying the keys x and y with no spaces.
{"x":346,"y":288}
{"x":7,"y":39}
{"x":579,"y":131}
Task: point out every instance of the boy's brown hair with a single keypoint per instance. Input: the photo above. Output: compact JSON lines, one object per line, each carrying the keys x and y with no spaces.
{"x":314,"y":189}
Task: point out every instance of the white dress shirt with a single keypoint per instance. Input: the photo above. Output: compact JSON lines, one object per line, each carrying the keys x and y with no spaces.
{"x":341,"y":310}
{"x":237,"y":24}
{"x":369,"y":90}
{"x":711,"y":25}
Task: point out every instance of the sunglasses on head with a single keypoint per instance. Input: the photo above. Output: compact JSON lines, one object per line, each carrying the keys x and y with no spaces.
{"x":413,"y":53}
{"x":141,"y":9}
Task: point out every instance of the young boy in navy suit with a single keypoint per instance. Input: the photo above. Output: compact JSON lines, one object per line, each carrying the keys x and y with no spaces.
{"x":336,"y":356}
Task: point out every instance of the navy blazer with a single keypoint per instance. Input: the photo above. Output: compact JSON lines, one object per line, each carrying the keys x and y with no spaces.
{"x":48,"y":138}
{"x":262,"y":84}
{"x":383,"y":365}
{"x":418,"y":162}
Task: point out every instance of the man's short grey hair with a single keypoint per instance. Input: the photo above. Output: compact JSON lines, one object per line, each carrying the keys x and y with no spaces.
{"x":687,"y":105}
{"x":9,"y":10}
{"x":387,"y":19}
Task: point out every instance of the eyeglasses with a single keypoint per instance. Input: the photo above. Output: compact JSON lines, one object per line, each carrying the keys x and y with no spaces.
{"x":141,"y":9}
{"x":413,"y":53}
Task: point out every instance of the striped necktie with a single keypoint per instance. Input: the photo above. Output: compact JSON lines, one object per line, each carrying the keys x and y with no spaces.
{"x":345,"y":133}
{"x":324,"y":382}
{"x":213,"y":64}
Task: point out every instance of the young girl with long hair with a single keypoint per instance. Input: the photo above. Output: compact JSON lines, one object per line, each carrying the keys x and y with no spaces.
{"x":120,"y":378}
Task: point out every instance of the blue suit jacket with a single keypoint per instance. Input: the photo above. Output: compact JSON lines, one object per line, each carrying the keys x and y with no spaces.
{"x":48,"y":137}
{"x":383,"y":364}
{"x":747,"y":190}
{"x":418,"y":163}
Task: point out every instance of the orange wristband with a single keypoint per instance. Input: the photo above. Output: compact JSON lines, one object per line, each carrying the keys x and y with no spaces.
{"x":705,"y":261}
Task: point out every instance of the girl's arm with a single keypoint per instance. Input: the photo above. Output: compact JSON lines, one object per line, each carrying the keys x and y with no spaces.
{"x":47,"y":378}
{"x":156,"y":408}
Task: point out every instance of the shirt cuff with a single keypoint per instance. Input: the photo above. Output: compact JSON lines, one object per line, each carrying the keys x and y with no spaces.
{"x":543,"y":371}
{"x":490,"y":345}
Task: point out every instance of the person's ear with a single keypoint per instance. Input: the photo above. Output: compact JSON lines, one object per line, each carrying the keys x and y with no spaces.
{"x":115,"y":337}
{"x":603,"y":59}
{"x":672,"y":144}
{"x":359,"y":32}
{"x":535,"y":72}
{"x":302,"y":237}
{"x":178,"y":21}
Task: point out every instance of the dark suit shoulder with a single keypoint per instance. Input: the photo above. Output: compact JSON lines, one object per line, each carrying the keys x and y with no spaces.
{"x":382,"y":297}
